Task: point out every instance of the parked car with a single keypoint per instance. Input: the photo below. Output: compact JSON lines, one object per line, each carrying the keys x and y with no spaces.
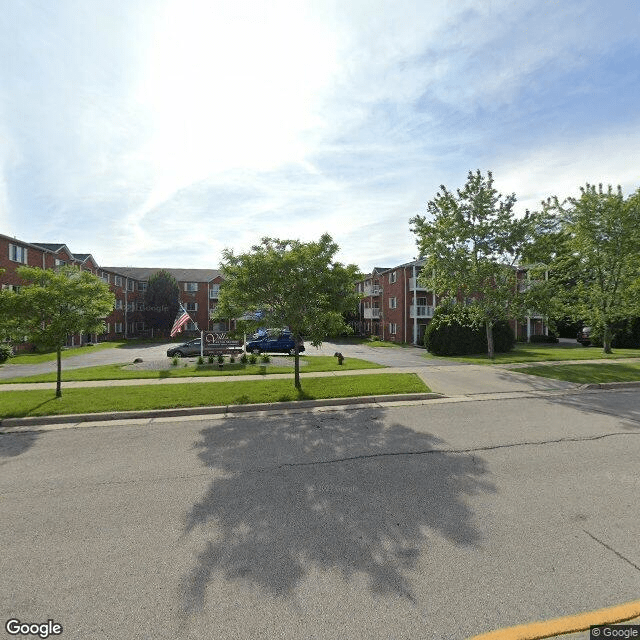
{"x":274,"y":343}
{"x":191,"y":348}
{"x":584,"y":336}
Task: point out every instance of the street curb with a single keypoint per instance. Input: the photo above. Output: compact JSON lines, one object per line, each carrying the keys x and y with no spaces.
{"x":610,"y":385}
{"x":223,"y":409}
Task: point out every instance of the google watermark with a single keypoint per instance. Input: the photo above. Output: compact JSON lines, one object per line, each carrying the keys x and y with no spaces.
{"x":15,"y":627}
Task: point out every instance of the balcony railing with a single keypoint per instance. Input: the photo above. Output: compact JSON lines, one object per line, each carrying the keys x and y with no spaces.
{"x":372,"y":291}
{"x":421,"y":311}
{"x":415,"y":284}
{"x":371,"y":312}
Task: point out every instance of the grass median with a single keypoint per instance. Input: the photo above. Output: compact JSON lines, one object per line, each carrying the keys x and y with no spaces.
{"x":197,"y":394}
{"x":544,"y":353}
{"x":308,"y":364}
{"x":588,"y":373}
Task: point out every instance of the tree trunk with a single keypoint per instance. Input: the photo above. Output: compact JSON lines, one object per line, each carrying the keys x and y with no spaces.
{"x":59,"y":368}
{"x":297,"y":368}
{"x":489,"y":327}
{"x":606,"y":339}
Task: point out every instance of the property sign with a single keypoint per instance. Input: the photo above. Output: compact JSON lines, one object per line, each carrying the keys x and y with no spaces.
{"x":220,"y":341}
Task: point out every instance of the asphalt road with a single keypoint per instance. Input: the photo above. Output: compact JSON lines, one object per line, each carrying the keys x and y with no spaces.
{"x":438,"y":521}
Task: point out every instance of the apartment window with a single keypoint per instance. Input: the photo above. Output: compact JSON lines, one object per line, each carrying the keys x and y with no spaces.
{"x":192,"y":306}
{"x":393,"y":276}
{"x":142,"y":286}
{"x":105,"y":277}
{"x":118,"y":304}
{"x":190,"y":326}
{"x":214,"y":292}
{"x":107,"y":327}
{"x":393,"y":328}
{"x":191,"y":286}
{"x":17,"y":253}
{"x":130,"y":285}
{"x":118,"y":281}
{"x":59,"y":263}
{"x":130,"y":306}
{"x":393,"y":303}
{"x":11,"y":287}
{"x":118,"y":327}
{"x":139,"y":326}
{"x":140,"y":306}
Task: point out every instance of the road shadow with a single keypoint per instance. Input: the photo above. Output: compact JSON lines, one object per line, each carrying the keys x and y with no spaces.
{"x":334,"y":491}
{"x":15,"y":444}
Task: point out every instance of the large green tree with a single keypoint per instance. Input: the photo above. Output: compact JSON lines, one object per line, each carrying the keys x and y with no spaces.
{"x":592,"y":246}
{"x":56,"y":303}
{"x":472,"y":242}
{"x":292,"y":284}
{"x":161,"y":301}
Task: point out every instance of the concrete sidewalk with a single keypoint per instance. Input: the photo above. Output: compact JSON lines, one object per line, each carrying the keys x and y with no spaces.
{"x":453,"y":380}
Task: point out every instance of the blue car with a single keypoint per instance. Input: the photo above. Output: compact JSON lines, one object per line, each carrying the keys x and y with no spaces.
{"x":281,"y":343}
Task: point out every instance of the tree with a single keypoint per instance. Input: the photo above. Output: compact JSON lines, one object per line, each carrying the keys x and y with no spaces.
{"x":595,"y":260}
{"x":161,"y":301}
{"x":56,"y":303}
{"x":472,"y":243}
{"x":292,"y":284}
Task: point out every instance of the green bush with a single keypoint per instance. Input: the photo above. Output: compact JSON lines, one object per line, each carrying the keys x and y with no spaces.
{"x":626,"y":334}
{"x":244,"y":358}
{"x":200,"y":360}
{"x":253,"y":358}
{"x":210,"y":359}
{"x":5,"y":352}
{"x":450,"y":334}
{"x":552,"y":338}
{"x":174,"y":361}
{"x":220,"y":359}
{"x":265,"y":358}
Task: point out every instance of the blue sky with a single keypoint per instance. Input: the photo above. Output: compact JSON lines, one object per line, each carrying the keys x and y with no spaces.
{"x":158,"y":132}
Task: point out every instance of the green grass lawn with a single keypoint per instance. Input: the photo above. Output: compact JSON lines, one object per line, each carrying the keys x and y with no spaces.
{"x":588,"y":373}
{"x":545,"y":352}
{"x":140,"y":397}
{"x":37,"y":358}
{"x":309,"y":364}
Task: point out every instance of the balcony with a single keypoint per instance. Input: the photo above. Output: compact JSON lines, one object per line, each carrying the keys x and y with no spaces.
{"x":371,"y":313}
{"x":372,"y":290}
{"x":415,"y":285}
{"x":421,"y":311}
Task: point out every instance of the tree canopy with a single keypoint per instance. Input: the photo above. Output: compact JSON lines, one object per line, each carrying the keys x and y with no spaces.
{"x":592,"y":246}
{"x":472,"y":243}
{"x":56,"y":303}
{"x":161,"y":301}
{"x":292,"y":284}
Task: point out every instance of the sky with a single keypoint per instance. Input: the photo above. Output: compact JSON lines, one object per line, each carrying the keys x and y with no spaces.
{"x":156,"y":133}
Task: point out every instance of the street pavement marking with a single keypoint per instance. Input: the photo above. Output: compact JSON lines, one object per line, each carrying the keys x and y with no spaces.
{"x":568,"y":624}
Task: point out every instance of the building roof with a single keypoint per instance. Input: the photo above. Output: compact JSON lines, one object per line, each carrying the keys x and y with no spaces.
{"x":52,"y":246}
{"x":181,"y":275}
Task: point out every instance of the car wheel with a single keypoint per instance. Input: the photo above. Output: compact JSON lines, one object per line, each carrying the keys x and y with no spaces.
{"x":292,"y":352}
{"x":178,"y":354}
{"x":255,"y":351}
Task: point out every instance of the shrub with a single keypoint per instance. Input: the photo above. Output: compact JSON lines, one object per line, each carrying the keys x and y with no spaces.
{"x":253,"y":359}
{"x":210,"y":359}
{"x":174,"y":361}
{"x":5,"y":352}
{"x":220,"y":358}
{"x":232,"y":359}
{"x":552,"y":338}
{"x":244,"y":358}
{"x":200,"y":360}
{"x":450,"y":334}
{"x":265,"y":358}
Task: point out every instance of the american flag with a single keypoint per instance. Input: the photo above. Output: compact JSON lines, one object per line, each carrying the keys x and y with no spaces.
{"x":181,"y":319}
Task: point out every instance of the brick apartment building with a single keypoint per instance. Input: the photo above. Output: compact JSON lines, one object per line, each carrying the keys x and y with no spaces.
{"x":396,"y":307}
{"x":199,"y":288}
